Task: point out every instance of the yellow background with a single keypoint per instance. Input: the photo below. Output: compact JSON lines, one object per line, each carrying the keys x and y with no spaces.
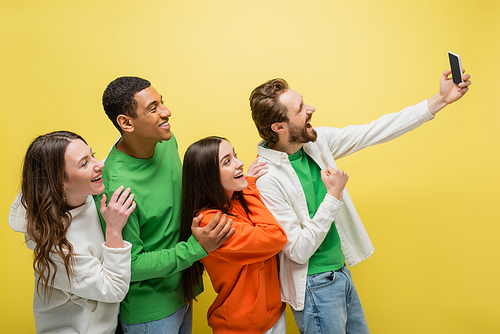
{"x":429,"y":200}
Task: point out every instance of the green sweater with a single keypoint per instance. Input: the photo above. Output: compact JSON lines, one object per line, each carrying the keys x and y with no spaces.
{"x":153,"y":230}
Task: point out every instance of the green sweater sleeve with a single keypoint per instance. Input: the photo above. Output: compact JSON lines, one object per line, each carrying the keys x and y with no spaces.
{"x":147,"y":265}
{"x":159,"y":263}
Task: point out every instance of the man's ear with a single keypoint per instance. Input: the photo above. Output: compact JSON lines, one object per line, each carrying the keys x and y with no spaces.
{"x":125,"y":122}
{"x":278,"y":127}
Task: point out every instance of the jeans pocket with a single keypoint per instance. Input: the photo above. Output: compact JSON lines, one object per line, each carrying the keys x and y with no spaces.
{"x":321,"y":280}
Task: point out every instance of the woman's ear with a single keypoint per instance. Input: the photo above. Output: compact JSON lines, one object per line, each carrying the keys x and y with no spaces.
{"x":126,"y":123}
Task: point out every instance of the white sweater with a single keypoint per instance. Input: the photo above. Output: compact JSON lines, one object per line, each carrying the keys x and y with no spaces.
{"x":91,"y":303}
{"x":283,"y":195}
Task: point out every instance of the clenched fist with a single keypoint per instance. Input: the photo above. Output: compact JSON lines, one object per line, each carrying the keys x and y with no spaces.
{"x":335,"y":181}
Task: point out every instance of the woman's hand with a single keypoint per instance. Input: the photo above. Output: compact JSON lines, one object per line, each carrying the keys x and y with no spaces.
{"x":257,"y":169}
{"x":116,"y":214}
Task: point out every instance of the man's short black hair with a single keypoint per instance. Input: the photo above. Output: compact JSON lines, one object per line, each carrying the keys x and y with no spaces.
{"x":118,"y":97}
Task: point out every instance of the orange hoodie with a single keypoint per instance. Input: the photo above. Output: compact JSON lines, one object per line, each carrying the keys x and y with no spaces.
{"x":244,"y":270}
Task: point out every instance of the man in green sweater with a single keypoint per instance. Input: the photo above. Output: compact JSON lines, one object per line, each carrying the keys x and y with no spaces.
{"x":146,"y":159}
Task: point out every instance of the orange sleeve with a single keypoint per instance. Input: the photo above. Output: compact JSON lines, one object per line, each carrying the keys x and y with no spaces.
{"x":250,"y":243}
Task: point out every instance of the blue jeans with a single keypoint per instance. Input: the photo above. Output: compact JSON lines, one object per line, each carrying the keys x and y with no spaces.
{"x":331,"y":305}
{"x":180,"y":322}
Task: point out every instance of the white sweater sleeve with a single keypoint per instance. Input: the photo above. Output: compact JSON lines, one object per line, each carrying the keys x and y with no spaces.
{"x":101,"y":273}
{"x":106,"y":281}
{"x":352,"y":138}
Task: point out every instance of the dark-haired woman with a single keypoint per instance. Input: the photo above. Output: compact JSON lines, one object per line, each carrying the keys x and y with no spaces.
{"x":243,"y":270}
{"x":80,"y":277}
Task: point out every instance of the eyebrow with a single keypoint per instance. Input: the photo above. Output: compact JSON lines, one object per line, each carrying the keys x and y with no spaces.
{"x":154,"y":102}
{"x":227,"y":155}
{"x":84,"y":157}
{"x":301,"y":105}
{"x":224,"y":157}
{"x":151,"y":104}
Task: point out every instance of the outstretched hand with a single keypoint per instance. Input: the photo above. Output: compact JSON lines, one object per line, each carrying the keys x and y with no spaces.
{"x":448,"y":92}
{"x":214,"y":234}
{"x":451,"y":92}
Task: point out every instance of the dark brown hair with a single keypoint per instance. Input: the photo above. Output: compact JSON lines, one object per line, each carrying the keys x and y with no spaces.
{"x":201,"y":189}
{"x":267,"y":109}
{"x":48,"y":218}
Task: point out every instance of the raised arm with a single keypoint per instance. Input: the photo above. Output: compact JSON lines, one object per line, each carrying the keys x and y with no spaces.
{"x":116,"y":214}
{"x":448,"y":92}
{"x":253,"y":241}
{"x":353,"y":138}
{"x":257,"y":238}
{"x":105,"y":279}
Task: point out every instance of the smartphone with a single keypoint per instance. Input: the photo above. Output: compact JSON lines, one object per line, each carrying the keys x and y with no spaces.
{"x":456,"y":67}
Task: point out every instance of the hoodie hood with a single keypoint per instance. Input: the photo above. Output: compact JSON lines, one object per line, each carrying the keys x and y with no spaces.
{"x":17,"y":216}
{"x":17,"y":219}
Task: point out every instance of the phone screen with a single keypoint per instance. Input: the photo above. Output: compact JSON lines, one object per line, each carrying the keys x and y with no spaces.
{"x":456,"y":67}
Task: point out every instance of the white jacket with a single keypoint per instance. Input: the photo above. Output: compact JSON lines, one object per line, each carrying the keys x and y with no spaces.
{"x":283,"y":195}
{"x":91,"y":304}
